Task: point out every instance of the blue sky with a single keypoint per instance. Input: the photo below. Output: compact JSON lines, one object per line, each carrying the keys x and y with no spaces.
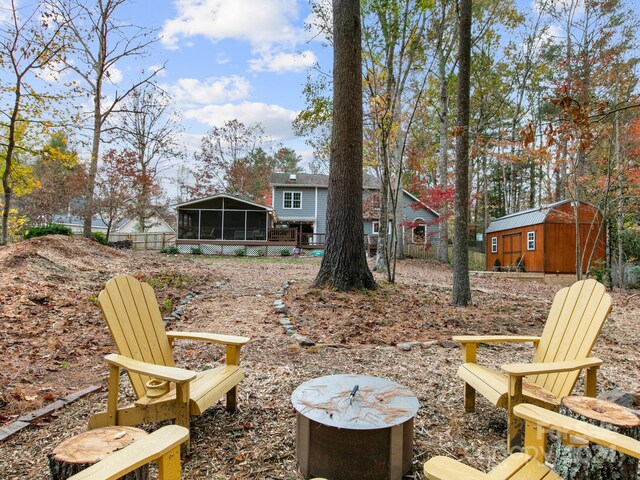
{"x":230,"y":59}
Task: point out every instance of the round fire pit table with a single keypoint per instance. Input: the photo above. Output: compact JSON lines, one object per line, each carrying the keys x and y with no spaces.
{"x":354,"y":427}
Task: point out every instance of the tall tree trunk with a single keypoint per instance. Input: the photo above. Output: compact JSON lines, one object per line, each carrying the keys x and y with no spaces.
{"x":443,"y":163}
{"x":8,"y":163}
{"x":98,"y":120}
{"x":344,"y":265}
{"x":461,"y":293}
{"x":382,"y":259}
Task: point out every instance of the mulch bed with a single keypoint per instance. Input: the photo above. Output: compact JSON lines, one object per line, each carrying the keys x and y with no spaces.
{"x":53,"y":340}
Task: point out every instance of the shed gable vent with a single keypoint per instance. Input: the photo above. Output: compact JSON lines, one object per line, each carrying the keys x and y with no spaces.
{"x":292,"y":177}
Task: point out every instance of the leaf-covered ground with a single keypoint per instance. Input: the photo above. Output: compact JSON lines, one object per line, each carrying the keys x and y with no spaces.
{"x":53,"y":340}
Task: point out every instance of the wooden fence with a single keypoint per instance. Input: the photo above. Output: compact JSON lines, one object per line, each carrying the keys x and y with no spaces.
{"x":477,"y":260}
{"x":145,"y":241}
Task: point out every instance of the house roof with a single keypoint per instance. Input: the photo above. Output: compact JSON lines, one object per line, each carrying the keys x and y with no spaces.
{"x":524,"y":218}
{"x":76,"y":221}
{"x":224,"y":195}
{"x":315,"y":180}
{"x":421,"y":203}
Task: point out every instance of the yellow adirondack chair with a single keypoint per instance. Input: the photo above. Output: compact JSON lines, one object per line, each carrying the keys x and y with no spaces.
{"x":163,"y":446}
{"x":573,"y":325}
{"x":530,"y":465}
{"x":144,"y":351}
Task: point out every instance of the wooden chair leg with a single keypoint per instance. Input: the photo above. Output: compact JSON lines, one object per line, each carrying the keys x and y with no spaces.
{"x":515,"y":424}
{"x":169,"y":465}
{"x":535,"y":440}
{"x":590,"y":379}
{"x":232,"y":399}
{"x":469,"y":356}
{"x":112,"y":395}
{"x":469,"y":398}
{"x":183,"y":417}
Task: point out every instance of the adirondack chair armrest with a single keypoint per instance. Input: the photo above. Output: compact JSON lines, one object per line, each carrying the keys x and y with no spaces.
{"x":464,"y":339}
{"x":161,"y":372}
{"x":149,"y":448}
{"x":524,"y":369}
{"x":444,"y":468}
{"x":570,"y":426}
{"x":209,"y":337}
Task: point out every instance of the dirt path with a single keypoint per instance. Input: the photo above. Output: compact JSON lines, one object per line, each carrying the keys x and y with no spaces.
{"x":236,"y":296}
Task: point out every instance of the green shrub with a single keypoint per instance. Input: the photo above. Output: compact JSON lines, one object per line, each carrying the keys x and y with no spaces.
{"x":53,"y":229}
{"x":171,"y":250}
{"x":240,"y":252}
{"x":599,"y":271}
{"x":285,"y":252}
{"x":196,"y":250}
{"x":100,"y":237}
{"x":166,"y":305}
{"x":261,"y":252}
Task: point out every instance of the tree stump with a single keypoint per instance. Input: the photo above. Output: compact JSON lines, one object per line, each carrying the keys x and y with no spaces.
{"x":80,"y":452}
{"x":592,"y":461}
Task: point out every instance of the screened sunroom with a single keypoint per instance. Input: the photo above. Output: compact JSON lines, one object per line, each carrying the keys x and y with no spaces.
{"x":223,"y":218}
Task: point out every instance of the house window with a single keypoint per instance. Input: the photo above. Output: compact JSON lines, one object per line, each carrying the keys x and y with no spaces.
{"x":531,"y":240}
{"x":292,"y":200}
{"x":375,"y":228}
{"x":419,"y":231}
{"x":494,"y":244}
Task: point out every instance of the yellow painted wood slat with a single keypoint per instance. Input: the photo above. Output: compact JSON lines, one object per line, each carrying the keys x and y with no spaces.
{"x":131,"y":295}
{"x":117,"y":320}
{"x":156,"y":334}
{"x":550,"y":326}
{"x":561,"y":323}
{"x":573,"y":333}
{"x":534,"y":470}
{"x":490,"y":384}
{"x":444,"y":468}
{"x":509,"y":466}
{"x":590,"y":330}
{"x":205,"y":397}
{"x":160,"y":443}
{"x":571,"y":426}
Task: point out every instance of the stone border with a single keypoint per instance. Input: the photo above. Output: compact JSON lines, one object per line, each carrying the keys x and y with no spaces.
{"x":281,"y":308}
{"x":26,"y":420}
{"x":179,"y":310}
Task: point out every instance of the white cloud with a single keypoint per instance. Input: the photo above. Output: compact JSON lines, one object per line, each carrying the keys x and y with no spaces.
{"x":258,"y":22}
{"x":114,"y":75}
{"x":283,"y":62}
{"x":160,"y":70}
{"x":222,"y":58}
{"x":275,"y":120}
{"x":192,"y":91}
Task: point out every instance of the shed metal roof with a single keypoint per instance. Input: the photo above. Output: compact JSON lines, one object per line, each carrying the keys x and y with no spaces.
{"x":533,"y":216}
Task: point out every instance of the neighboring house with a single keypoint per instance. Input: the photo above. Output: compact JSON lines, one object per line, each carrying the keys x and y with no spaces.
{"x":76,"y":224}
{"x":544,"y":238}
{"x":300,"y":202}
{"x":127,"y":225}
{"x":155,"y":224}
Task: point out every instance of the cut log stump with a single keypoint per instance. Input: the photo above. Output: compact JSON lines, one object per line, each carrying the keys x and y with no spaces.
{"x":590,"y":461}
{"x":80,"y":452}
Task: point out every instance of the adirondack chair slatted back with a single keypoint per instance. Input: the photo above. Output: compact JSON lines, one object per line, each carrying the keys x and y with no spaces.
{"x":132,"y":313}
{"x":574,"y":323}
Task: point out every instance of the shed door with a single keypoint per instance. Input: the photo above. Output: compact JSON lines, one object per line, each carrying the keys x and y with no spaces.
{"x":511,"y":248}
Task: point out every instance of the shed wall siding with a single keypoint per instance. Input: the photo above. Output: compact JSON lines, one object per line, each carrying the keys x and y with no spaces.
{"x":533,"y":260}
